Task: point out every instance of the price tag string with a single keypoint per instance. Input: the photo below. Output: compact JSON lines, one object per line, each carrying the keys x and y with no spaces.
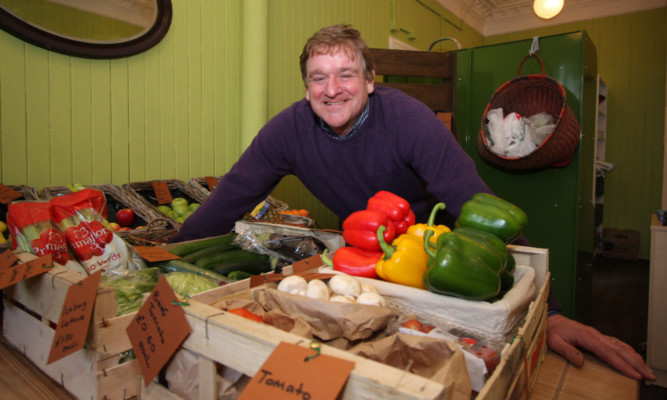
{"x":315,"y":346}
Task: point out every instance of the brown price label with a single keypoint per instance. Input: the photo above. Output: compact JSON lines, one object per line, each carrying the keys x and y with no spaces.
{"x":212,"y":183}
{"x":158,"y":330}
{"x":7,"y":259}
{"x":162,"y":193}
{"x":72,"y":329}
{"x":154,"y":254}
{"x":11,"y":274}
{"x":7,"y":194}
{"x":297,"y":372}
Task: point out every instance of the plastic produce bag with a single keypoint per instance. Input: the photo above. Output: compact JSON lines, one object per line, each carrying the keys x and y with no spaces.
{"x":32,"y":230}
{"x":187,"y":283}
{"x":280,"y":244}
{"x":516,"y":136}
{"x":80,"y":216}
{"x":130,"y":287}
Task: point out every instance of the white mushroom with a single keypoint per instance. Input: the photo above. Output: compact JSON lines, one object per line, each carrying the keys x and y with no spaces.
{"x":339,"y":298}
{"x":368,"y":288}
{"x":293,"y":284}
{"x":317,"y":289}
{"x":371,"y":299}
{"x":345,"y":285}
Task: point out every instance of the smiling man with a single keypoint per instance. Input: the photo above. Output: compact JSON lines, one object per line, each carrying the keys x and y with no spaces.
{"x":347,"y":140}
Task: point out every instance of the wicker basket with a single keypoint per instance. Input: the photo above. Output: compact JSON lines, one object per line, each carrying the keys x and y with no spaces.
{"x":28,"y":193}
{"x":152,"y":226}
{"x":143,"y":191}
{"x":529,"y":95}
{"x":200,"y":185}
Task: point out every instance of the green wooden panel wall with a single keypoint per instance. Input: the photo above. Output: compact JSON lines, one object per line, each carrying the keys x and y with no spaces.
{"x":631,"y":61}
{"x":170,"y":112}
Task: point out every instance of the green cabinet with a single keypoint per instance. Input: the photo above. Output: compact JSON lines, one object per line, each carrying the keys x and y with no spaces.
{"x":558,"y":201}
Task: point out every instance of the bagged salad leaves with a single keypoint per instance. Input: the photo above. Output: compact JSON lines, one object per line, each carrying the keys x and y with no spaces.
{"x":130,"y":287}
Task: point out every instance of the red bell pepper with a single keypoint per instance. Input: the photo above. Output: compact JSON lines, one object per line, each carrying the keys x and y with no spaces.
{"x":360,"y":229}
{"x":356,"y":262}
{"x":397,"y":209}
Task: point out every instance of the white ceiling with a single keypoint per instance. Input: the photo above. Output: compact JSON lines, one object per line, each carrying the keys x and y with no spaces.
{"x":494,"y":17}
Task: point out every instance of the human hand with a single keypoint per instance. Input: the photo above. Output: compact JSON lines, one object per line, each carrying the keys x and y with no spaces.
{"x":564,"y":336}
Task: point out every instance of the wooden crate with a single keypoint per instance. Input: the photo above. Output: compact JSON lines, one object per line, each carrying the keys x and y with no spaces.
{"x":218,"y":337}
{"x":32,"y":307}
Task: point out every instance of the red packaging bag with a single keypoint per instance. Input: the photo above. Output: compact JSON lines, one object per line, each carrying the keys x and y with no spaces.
{"x":80,"y":216}
{"x":31,"y":228}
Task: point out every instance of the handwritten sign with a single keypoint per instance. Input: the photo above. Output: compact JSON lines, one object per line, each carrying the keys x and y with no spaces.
{"x":162,"y":193}
{"x":74,"y":318}
{"x":158,"y":330}
{"x":297,"y":372}
{"x":7,"y":259}
{"x":154,"y":254}
{"x":11,"y":274}
{"x":7,"y":194}
{"x":211,"y":182}
{"x":308,"y":264}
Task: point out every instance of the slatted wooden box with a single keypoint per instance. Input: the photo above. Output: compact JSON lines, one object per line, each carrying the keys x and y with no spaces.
{"x":218,"y":337}
{"x":31,"y":310}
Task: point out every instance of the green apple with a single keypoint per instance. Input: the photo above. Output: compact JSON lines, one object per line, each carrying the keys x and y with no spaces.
{"x":164,"y":209}
{"x":178,"y":201}
{"x":194,"y":206}
{"x":181,"y":209}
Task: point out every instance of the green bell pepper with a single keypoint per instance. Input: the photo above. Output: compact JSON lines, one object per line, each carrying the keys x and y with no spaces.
{"x":465,"y":263}
{"x":492,"y":214}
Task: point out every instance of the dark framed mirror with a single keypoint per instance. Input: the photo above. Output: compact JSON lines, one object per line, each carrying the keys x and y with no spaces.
{"x":99,"y":29}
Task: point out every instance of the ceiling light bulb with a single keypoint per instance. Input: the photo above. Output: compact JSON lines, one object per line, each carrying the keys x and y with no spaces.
{"x":547,"y":9}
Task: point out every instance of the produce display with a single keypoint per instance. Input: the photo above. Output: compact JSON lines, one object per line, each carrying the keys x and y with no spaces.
{"x":217,"y":258}
{"x":471,"y":262}
{"x":341,"y":288}
{"x":179,"y":209}
{"x":3,"y":230}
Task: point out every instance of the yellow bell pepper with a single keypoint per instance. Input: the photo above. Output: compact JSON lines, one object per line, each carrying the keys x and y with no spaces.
{"x":418,"y":230}
{"x":404,"y":262}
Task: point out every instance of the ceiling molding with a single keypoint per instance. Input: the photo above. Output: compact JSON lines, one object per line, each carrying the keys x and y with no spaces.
{"x":495,"y":17}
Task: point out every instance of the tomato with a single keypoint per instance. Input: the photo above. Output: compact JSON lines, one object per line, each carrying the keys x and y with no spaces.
{"x":491,"y":357}
{"x":125,"y":217}
{"x":242,"y":312}
{"x":414,"y":325}
{"x":428,"y":328}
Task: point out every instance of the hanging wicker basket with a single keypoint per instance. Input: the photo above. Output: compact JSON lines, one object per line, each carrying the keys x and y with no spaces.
{"x":529,"y":95}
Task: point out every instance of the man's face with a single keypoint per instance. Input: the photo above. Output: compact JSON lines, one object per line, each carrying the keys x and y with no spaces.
{"x":337,"y":89}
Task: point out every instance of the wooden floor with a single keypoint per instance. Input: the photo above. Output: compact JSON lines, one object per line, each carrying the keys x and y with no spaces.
{"x":22,"y":380}
{"x":612,"y":296}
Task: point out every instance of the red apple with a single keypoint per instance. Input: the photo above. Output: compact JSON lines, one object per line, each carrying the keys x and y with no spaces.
{"x":125,"y":217}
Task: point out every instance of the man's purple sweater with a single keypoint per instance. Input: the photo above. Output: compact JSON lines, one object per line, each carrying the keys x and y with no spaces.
{"x":402,"y":147}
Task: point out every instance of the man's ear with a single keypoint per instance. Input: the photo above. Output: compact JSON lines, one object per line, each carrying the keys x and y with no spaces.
{"x":370,"y":86}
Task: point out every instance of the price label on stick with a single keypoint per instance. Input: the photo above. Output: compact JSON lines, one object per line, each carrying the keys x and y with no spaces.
{"x":74,"y":318}
{"x":211,"y":182}
{"x":162,"y":193}
{"x":12,"y":273}
{"x":158,"y":330}
{"x":154,"y":254}
{"x":7,"y":194}
{"x":297,"y":372}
